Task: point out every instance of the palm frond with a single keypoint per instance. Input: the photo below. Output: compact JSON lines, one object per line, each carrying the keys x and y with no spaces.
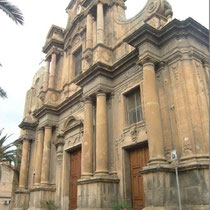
{"x":12,"y":11}
{"x":3,"y":94}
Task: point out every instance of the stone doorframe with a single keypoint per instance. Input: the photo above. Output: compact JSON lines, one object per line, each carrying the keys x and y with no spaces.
{"x":73,"y":135}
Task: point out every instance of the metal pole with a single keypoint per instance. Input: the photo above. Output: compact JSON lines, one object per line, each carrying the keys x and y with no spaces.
{"x":178,"y":189}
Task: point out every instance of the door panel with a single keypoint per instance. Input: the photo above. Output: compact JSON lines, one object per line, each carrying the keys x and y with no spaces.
{"x":138,"y":159}
{"x":75,"y":174}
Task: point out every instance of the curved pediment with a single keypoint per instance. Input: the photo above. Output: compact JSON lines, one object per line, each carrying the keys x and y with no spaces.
{"x":71,"y":124}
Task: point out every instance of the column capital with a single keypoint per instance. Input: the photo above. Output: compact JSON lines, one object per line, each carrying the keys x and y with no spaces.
{"x":40,"y":129}
{"x":49,"y":124}
{"x":88,"y":100}
{"x":101,"y":93}
{"x":148,"y":60}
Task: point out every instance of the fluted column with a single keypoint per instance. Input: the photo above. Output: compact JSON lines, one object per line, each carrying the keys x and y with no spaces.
{"x":101,"y":135}
{"x":38,"y":163}
{"x":100,"y":23}
{"x":87,"y":145}
{"x":152,"y":113}
{"x":46,"y":155}
{"x":46,"y":74}
{"x":52,"y":71}
{"x":89,"y":36}
{"x":24,"y":165}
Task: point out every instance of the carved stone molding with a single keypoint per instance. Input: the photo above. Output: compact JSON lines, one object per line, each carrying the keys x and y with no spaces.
{"x":187,"y":147}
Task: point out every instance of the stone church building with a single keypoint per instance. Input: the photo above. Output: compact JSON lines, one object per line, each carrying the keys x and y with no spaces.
{"x":115,"y":97}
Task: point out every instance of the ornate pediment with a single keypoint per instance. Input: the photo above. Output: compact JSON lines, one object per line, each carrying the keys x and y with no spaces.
{"x":71,"y":124}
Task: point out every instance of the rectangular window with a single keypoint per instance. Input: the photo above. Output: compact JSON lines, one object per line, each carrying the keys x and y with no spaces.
{"x":78,"y":62}
{"x":133,"y":105}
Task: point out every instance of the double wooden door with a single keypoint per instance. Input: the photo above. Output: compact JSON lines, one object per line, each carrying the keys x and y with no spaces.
{"x":138,"y":159}
{"x":75,"y":174}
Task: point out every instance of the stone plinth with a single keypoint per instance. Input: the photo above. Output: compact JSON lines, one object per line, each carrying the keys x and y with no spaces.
{"x":21,"y":199}
{"x":160,"y":188}
{"x":38,"y":196}
{"x":97,"y":193}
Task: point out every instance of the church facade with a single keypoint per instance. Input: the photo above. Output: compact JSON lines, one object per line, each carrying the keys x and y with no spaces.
{"x":115,"y":98}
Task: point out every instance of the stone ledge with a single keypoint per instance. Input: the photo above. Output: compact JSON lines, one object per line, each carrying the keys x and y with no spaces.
{"x":192,"y":166}
{"x":22,"y":191}
{"x":43,"y":188}
{"x":157,"y":167}
{"x":98,"y":179}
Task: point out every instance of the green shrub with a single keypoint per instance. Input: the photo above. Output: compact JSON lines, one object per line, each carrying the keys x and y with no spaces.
{"x":121,"y":206}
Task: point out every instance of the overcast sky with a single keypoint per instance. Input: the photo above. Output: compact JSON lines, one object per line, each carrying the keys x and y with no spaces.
{"x":21,"y":46}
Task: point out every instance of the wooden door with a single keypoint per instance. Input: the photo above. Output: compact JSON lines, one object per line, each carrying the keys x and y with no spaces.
{"x":138,"y":159}
{"x":75,"y":174}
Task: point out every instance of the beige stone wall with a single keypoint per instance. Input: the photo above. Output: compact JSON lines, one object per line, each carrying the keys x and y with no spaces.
{"x":5,"y":187}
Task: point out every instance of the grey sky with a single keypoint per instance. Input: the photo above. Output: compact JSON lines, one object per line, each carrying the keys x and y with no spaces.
{"x":21,"y":46}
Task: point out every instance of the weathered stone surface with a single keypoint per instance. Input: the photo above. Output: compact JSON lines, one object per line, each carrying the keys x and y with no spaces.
{"x":162,"y":60}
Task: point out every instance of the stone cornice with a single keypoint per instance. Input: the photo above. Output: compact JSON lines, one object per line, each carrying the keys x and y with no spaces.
{"x":62,"y":107}
{"x":28,"y":125}
{"x":173,"y":29}
{"x":105,"y":70}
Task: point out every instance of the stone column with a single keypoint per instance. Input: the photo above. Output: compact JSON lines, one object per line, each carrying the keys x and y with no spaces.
{"x":152,"y":113}
{"x":101,"y":135}
{"x":46,"y":155}
{"x":24,"y":164}
{"x":46,"y":75}
{"x":87,"y":145}
{"x":52,"y":71}
{"x":39,"y":150}
{"x":100,"y":23}
{"x":89,"y":37}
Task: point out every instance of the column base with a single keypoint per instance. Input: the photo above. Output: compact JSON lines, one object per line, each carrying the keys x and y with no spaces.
{"x":86,"y":175}
{"x":101,"y":174}
{"x":155,"y":161}
{"x":97,"y":193}
{"x":194,"y":160}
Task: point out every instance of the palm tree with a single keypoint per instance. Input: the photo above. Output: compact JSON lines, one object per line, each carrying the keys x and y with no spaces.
{"x":12,"y":11}
{"x":16,"y":15}
{"x":3,"y":94}
{"x":9,"y":156}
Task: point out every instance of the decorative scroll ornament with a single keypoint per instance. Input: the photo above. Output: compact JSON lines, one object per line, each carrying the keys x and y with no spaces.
{"x":152,"y":6}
